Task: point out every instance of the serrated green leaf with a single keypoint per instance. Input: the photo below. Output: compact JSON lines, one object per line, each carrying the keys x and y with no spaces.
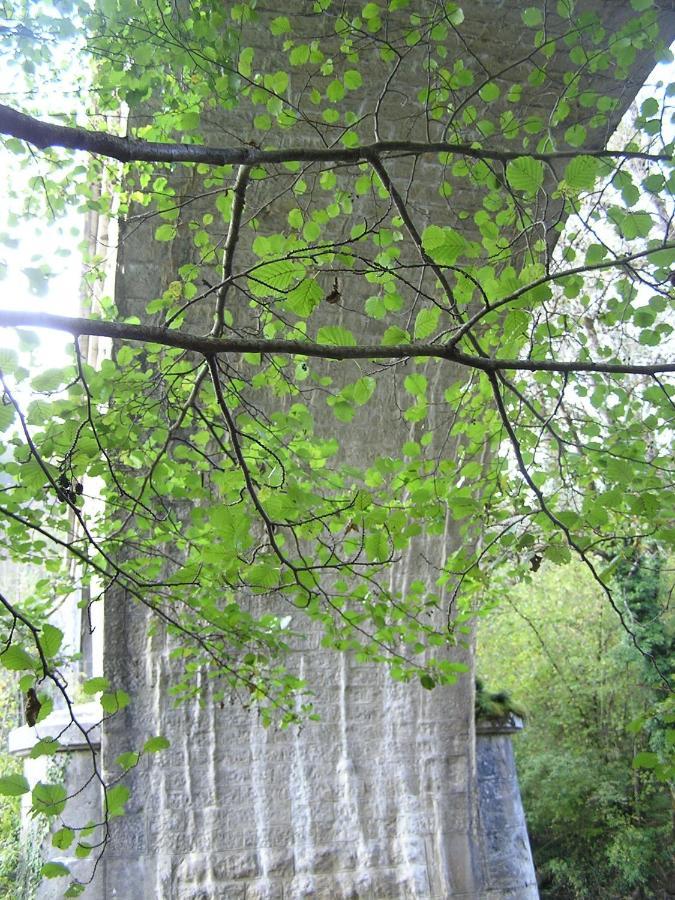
{"x":395,"y":335}
{"x":54,"y":870}
{"x":45,"y":747}
{"x":7,"y":415}
{"x":51,"y":640}
{"x":63,"y":838}
{"x":165,"y":232}
{"x":116,"y":798}
{"x":95,"y":685}
{"x":375,"y":307}
{"x":280,"y":25}
{"x":581,"y":173}
{"x":8,"y":360}
{"x":352,"y":79}
{"x":426,"y":322}
{"x":49,"y":799}
{"x":115,"y":701}
{"x":525,"y":174}
{"x":362,"y":390}
{"x":304,"y":298}
{"x":335,"y":91}
{"x":532,"y":17}
{"x":416,"y":384}
{"x":16,"y":658}
{"x":444,"y":245}
{"x":576,"y":135}
{"x":335,"y":336}
{"x":13,"y":785}
{"x":155,"y":744}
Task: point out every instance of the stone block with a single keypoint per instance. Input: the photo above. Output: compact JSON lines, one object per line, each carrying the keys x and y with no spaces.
{"x":236,"y":864}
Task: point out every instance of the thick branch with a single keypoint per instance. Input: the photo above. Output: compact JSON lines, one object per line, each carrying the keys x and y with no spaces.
{"x":211,"y":346}
{"x":47,"y":134}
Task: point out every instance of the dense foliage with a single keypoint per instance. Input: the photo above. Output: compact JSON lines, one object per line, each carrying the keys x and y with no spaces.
{"x":374,"y":353}
{"x":599,"y":824}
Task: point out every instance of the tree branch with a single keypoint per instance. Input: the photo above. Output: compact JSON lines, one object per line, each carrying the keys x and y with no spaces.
{"x":210,"y":346}
{"x":47,"y":134}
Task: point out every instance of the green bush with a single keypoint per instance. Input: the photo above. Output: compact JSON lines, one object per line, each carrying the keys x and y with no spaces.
{"x":599,"y":826}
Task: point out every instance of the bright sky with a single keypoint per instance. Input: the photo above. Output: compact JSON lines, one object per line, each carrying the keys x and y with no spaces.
{"x":62,"y":295}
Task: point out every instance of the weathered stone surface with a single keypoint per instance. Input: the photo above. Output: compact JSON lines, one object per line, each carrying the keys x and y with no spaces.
{"x":380,"y":799}
{"x":505,"y":848}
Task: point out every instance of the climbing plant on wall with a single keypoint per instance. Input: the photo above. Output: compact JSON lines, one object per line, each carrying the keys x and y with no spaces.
{"x":342,"y":258}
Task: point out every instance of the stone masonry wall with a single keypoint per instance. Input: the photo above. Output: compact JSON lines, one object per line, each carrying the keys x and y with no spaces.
{"x":379,"y":799}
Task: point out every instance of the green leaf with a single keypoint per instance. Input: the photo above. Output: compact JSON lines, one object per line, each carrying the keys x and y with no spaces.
{"x":377,"y":547}
{"x":352,"y":79}
{"x":362,"y":390}
{"x":280,"y":25}
{"x":489,"y":92}
{"x":187,"y":121}
{"x":155,"y":744}
{"x":115,"y":701}
{"x":416,"y":384}
{"x":532,"y":17}
{"x":525,"y":174}
{"x":54,"y":870}
{"x":16,"y":658}
{"x":426,"y":322}
{"x":444,"y":245}
{"x":335,"y":91}
{"x":13,"y":785}
{"x":128,"y":760}
{"x":645,"y":760}
{"x":49,"y":799}
{"x":7,"y":415}
{"x":375,"y":307}
{"x":166,"y":232}
{"x":8,"y":360}
{"x":116,"y":798}
{"x":52,"y":379}
{"x":304,"y":298}
{"x":263,"y":576}
{"x":95,"y":685}
{"x":45,"y":747}
{"x":581,"y":173}
{"x":335,"y":336}
{"x":46,"y":709}
{"x":51,"y":640}
{"x":576,"y":135}
{"x":83,"y":850}
{"x":63,"y":838}
{"x":299,"y":55}
{"x":395,"y":335}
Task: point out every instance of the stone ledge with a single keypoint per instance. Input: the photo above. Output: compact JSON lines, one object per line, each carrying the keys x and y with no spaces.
{"x":510,"y":724}
{"x":60,"y":726}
